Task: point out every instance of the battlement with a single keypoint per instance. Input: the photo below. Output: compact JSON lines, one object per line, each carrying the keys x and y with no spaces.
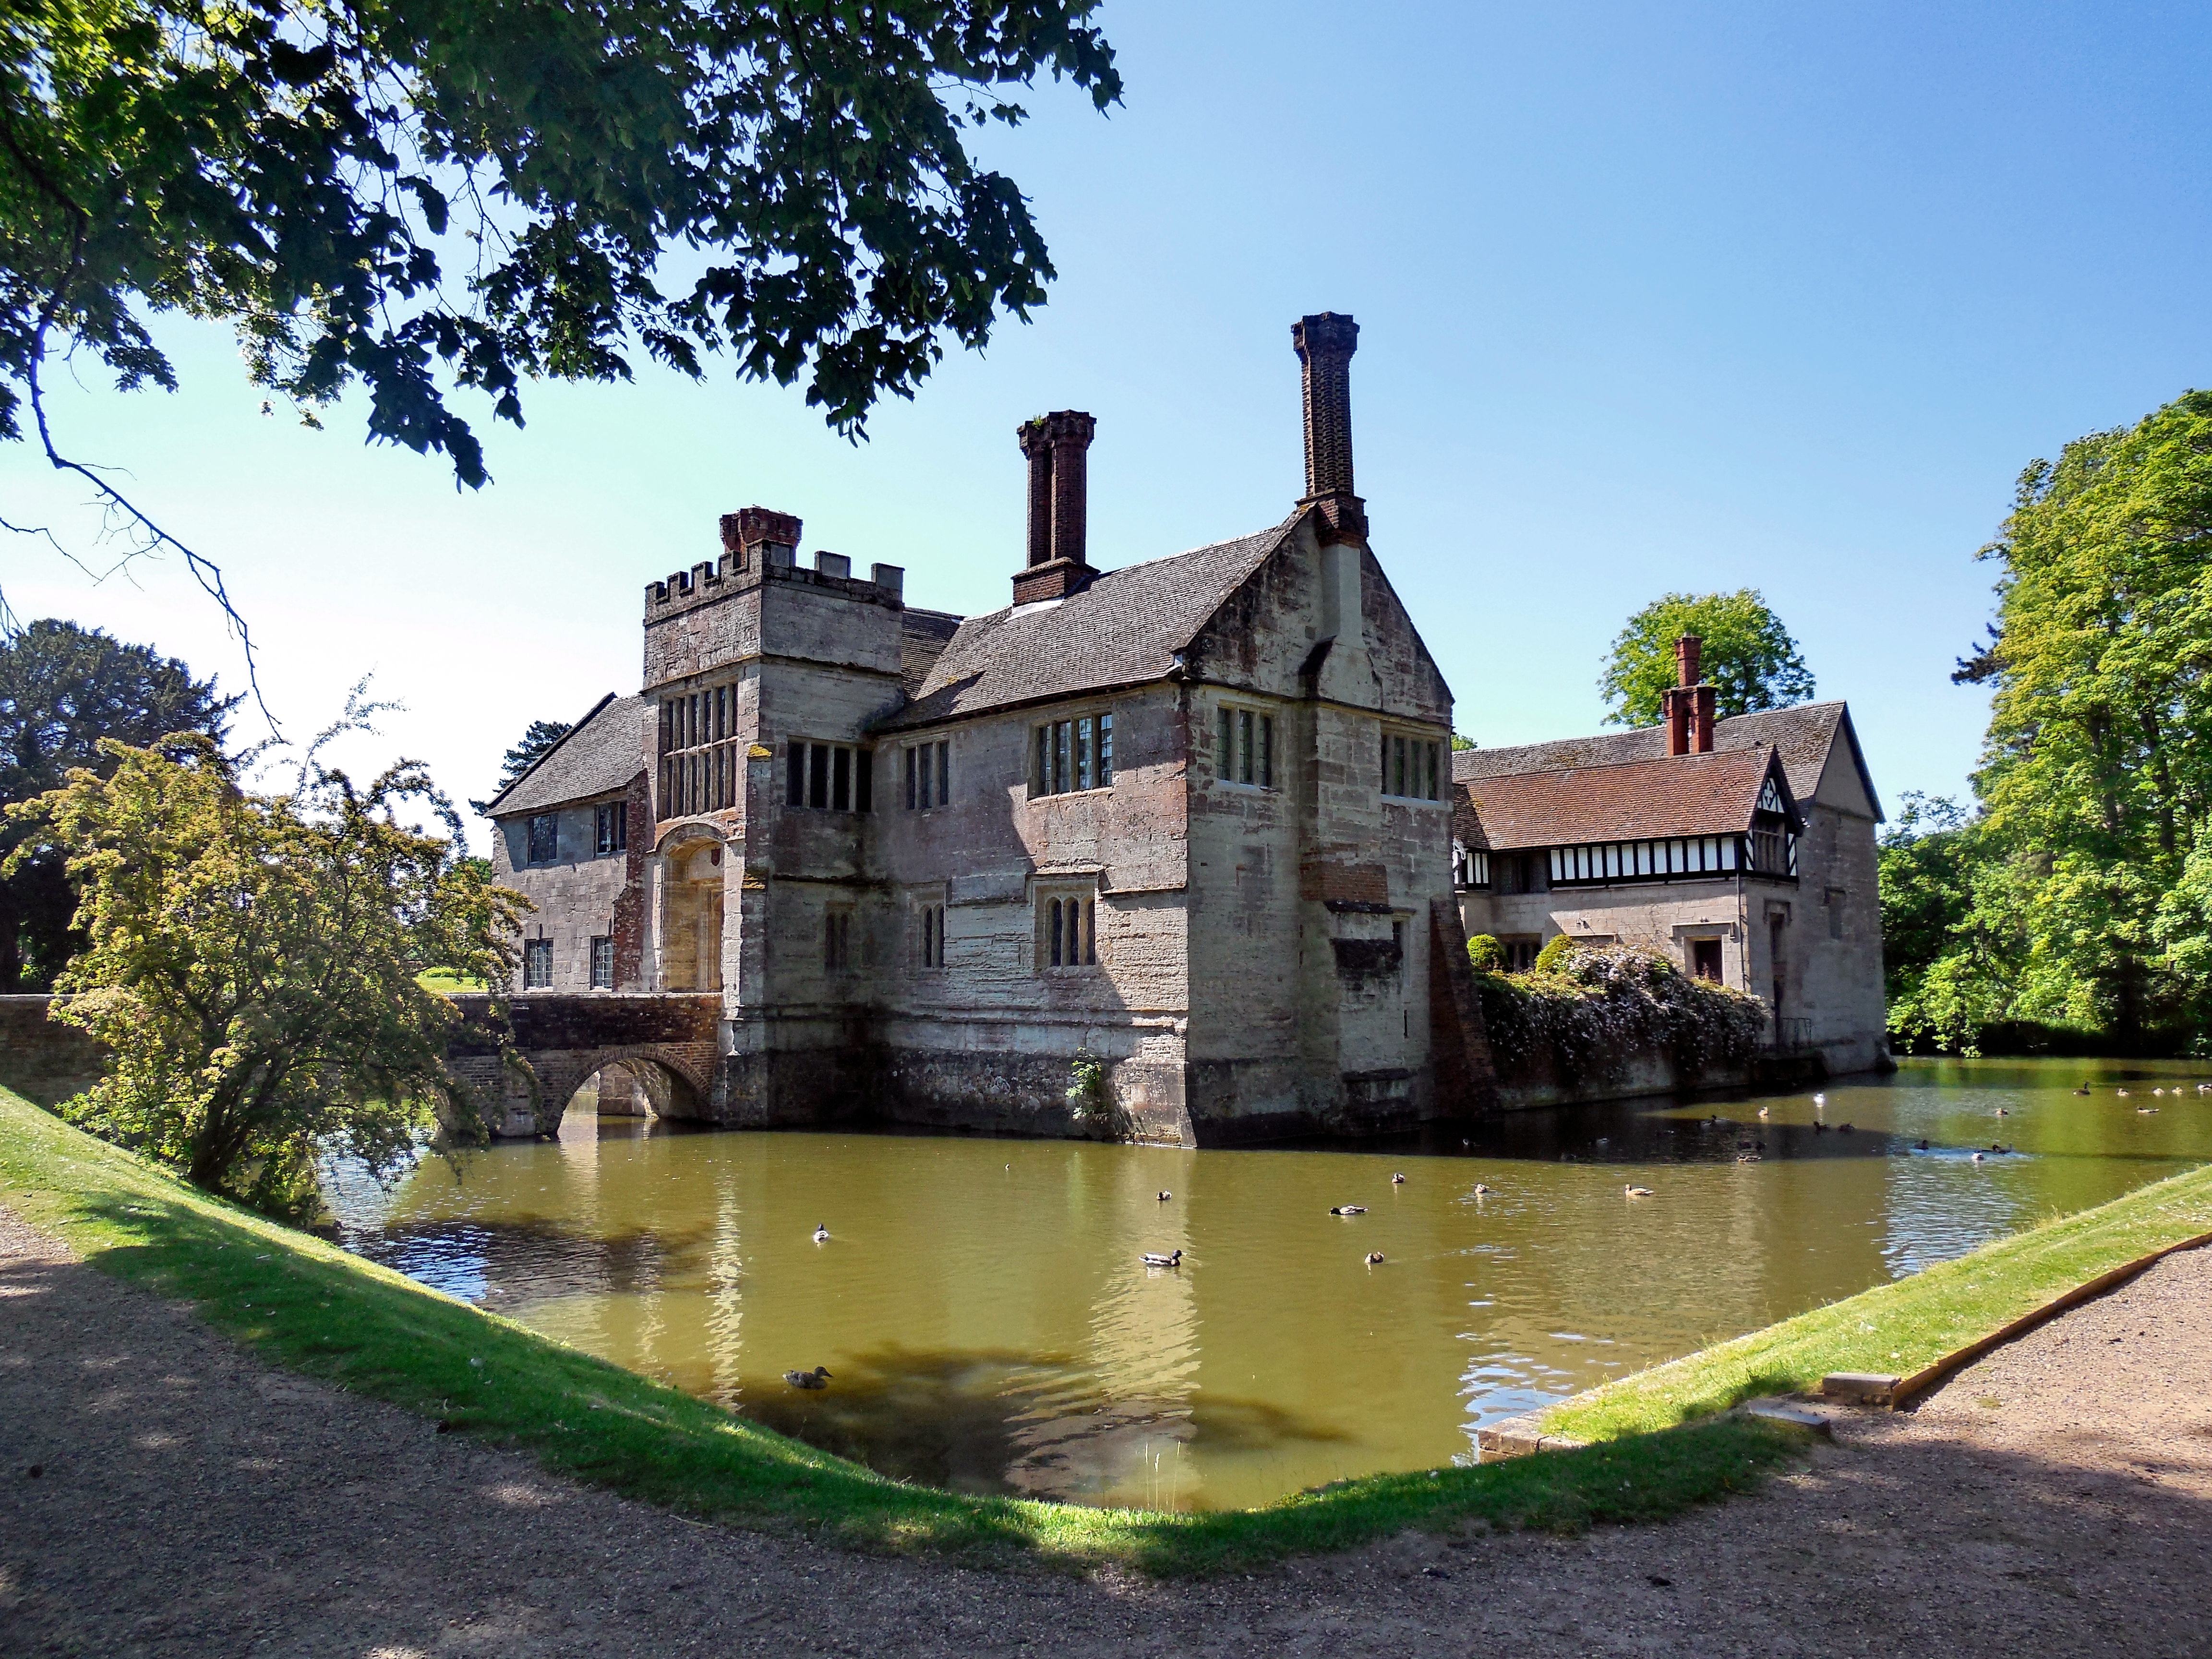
{"x":760,"y":547}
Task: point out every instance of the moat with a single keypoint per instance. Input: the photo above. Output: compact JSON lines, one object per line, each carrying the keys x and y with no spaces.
{"x":988,"y":1325}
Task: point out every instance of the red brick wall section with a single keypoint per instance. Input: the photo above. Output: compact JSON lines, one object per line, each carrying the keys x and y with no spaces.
{"x":41,"y":1059}
{"x":629,"y":903}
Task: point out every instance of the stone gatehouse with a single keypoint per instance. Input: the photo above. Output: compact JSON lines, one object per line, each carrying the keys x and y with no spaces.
{"x":1191,"y":818}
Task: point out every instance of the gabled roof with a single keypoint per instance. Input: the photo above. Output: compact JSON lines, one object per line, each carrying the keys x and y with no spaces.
{"x":1123,"y":629}
{"x":600,"y":757}
{"x":1803,"y":735}
{"x":1713,"y":794}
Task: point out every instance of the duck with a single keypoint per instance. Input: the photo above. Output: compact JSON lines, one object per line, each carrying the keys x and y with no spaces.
{"x":2084,"y":1090}
{"x":2204,"y":1088}
{"x":1151,"y":1259}
{"x":816,"y":1378}
{"x":2122,"y":1093}
{"x":1481,"y":1191}
{"x":1978,"y":1157}
{"x":1397,"y":1181}
{"x":821,"y":1233}
{"x":2004,"y":1111}
{"x":1843,"y":1128}
{"x":1819,"y":1101}
{"x":1762,"y":1111}
{"x":1347,"y":1209}
{"x":1922,"y":1145}
{"x":2145,"y":1111}
{"x":1818,"y":1127}
{"x":1637,"y":1192}
{"x":1165,"y":1196}
{"x":1374,"y":1258}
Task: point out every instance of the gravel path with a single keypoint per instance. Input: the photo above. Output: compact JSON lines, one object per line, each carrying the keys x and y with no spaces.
{"x":2055,"y":1499}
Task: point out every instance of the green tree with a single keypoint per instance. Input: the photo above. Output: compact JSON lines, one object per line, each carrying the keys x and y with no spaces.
{"x":541,"y":737}
{"x":1951,"y":949}
{"x":1461,"y":740}
{"x":62,"y":688}
{"x":1748,"y":656}
{"x":462,"y":195}
{"x":2096,"y":773}
{"x":254,"y":963}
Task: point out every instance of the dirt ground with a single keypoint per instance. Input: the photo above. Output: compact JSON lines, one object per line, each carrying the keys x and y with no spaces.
{"x":2055,"y":1499}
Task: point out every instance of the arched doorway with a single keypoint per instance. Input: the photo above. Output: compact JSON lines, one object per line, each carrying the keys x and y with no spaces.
{"x":690,"y":942}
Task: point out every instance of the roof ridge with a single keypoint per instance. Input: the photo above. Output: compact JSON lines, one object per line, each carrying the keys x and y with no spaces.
{"x":551,"y":750}
{"x":1601,"y":766}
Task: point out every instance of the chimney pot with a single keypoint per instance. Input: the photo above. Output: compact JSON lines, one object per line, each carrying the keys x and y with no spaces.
{"x":1688,"y":649}
{"x":758,"y":528}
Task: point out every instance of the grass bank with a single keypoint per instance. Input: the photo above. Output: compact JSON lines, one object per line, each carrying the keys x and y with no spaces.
{"x":1899,"y":1328}
{"x":309,"y":1306}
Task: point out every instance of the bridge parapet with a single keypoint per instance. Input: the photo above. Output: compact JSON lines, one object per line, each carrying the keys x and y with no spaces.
{"x":670,"y":1043}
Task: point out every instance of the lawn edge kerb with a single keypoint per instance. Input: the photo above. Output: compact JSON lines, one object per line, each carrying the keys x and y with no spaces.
{"x":311,"y":1307}
{"x":1901,"y":1328}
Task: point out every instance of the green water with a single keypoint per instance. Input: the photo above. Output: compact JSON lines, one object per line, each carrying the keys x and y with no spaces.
{"x":989,"y":1327}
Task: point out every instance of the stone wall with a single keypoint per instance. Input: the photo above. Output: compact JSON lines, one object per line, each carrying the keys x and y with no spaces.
{"x":42,"y":1059}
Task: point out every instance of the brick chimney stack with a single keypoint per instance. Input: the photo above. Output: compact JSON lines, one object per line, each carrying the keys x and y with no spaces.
{"x":773,"y":536}
{"x":1325,"y":342}
{"x":1689,"y":703}
{"x":1057,"y":448}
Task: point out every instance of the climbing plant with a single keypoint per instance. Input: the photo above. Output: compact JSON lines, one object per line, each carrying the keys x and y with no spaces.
{"x":1588,"y":1011}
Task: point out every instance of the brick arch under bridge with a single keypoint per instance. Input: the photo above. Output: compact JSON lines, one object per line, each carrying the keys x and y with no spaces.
{"x":669,"y":1043}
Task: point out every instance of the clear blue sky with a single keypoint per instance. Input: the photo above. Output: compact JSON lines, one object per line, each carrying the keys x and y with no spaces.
{"x":1651,"y":298}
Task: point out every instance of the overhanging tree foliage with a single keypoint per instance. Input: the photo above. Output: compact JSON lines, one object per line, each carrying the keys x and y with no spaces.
{"x":2093,"y":904}
{"x":1748,"y":656}
{"x":446,"y":194}
{"x":253,"y":963}
{"x":62,"y":688}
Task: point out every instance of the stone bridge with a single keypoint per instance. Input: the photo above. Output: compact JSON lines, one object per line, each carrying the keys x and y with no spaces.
{"x":665,"y":1049}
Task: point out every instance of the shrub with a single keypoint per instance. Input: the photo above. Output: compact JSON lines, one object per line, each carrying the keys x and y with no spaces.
{"x":1487,"y":954}
{"x":1590,"y":1011}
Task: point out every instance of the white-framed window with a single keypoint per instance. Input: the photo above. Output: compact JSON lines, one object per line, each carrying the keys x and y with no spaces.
{"x":830,"y":777}
{"x":537,"y":964}
{"x":1244,"y":747}
{"x":545,"y":837}
{"x":1470,"y":865}
{"x":837,"y":938}
{"x":1076,"y":753}
{"x":928,"y":776}
{"x":1413,"y":767}
{"x":603,"y":963}
{"x":1067,"y":931}
{"x":610,"y":827}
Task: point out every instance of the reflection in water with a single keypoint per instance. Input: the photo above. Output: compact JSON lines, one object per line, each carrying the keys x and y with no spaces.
{"x":990,"y":1327}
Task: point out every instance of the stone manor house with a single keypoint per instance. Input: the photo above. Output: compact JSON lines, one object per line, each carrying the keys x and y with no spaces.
{"x":1197,"y":819}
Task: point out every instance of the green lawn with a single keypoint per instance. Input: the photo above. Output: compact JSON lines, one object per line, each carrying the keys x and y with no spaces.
{"x":1899,"y":1328}
{"x":446,"y":982}
{"x":309,"y":1306}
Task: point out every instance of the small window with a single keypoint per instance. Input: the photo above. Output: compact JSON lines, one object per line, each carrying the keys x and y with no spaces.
{"x":837,"y":938}
{"x":833,"y":777}
{"x":537,"y":964}
{"x":610,"y":827}
{"x":1069,"y":929}
{"x":1706,"y":959}
{"x":1520,"y":953}
{"x":931,"y":935}
{"x":545,"y":837}
{"x":928,"y":776}
{"x":603,"y":964}
{"x":1412,"y":768}
{"x":1074,"y":754}
{"x":1247,"y":751}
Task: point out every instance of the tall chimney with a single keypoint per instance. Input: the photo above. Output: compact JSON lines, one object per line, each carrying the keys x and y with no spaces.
{"x":1688,"y":706}
{"x":1325,"y":342}
{"x":1057,"y":448}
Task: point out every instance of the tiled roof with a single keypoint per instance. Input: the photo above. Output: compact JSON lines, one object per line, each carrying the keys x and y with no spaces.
{"x":1122,"y":630}
{"x":1710,"y":794}
{"x":1803,"y":734}
{"x":923,"y":636}
{"x":605,"y":751}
